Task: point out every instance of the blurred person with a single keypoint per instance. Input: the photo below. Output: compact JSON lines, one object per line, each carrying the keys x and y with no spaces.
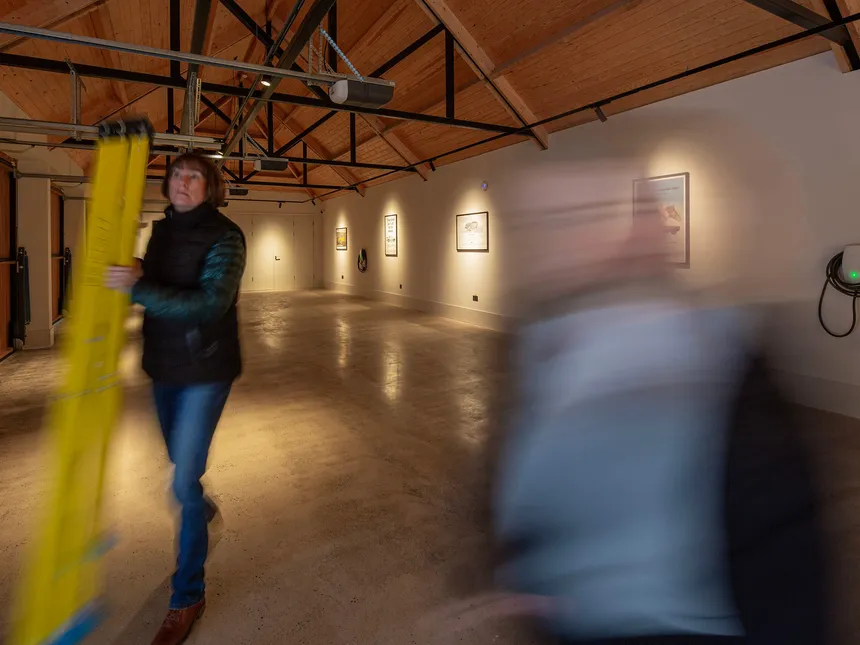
{"x":652,"y":487}
{"x":188,"y":285}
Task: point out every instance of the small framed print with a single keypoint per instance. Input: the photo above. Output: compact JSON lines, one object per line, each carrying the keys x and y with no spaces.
{"x":670,"y":194}
{"x":473,"y":235}
{"x":340,"y":239}
{"x":391,"y":236}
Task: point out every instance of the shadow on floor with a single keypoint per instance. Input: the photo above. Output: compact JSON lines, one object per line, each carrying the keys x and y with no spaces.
{"x":143,"y":625}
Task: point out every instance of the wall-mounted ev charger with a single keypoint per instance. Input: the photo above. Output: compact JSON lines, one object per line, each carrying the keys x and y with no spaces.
{"x":851,"y":264}
{"x":843,"y":274}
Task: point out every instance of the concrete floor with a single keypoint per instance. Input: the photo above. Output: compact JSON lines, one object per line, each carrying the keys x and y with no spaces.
{"x":345,"y":465}
{"x":349,"y":467}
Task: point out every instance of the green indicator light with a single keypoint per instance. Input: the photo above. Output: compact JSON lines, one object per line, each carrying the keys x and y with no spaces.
{"x":853,"y":275}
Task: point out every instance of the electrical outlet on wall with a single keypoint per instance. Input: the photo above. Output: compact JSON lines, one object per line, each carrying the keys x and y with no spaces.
{"x":475,"y":297}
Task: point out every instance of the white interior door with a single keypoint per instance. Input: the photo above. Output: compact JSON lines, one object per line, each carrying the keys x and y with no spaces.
{"x":303,"y":245}
{"x":283,"y":254}
{"x":263,"y":258}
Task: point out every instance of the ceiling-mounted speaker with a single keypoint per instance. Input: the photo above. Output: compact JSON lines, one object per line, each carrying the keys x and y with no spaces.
{"x":359,"y":94}
{"x":270,"y":164}
{"x":236,"y":192}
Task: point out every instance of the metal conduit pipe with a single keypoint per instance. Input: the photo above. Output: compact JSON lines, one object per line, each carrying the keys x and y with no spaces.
{"x":165,"y":204}
{"x":10,"y":124}
{"x":84,"y":179}
{"x":182,"y":57}
{"x":71,"y":179}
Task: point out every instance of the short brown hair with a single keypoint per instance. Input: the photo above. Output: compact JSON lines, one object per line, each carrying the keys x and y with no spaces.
{"x":194,"y":161}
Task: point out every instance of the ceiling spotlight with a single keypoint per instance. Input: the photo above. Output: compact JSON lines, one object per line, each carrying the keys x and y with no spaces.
{"x":217,"y":154}
{"x":265,"y":82}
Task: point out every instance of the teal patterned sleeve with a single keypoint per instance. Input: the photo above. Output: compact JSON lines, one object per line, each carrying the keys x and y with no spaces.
{"x":219,"y":283}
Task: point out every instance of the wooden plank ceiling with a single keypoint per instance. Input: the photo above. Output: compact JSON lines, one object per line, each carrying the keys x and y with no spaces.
{"x":549,"y":55}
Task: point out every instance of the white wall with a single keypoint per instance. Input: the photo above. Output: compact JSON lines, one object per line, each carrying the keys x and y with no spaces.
{"x":291,"y":232}
{"x":774,"y":195}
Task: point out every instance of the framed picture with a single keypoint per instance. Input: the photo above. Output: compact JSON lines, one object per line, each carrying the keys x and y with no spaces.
{"x":671,"y":195}
{"x":391,"y":236}
{"x":340,"y":239}
{"x":473,"y":234}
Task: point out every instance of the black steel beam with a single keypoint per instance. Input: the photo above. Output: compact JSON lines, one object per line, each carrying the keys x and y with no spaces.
{"x":296,"y":139}
{"x":245,"y":182}
{"x":450,"y":88}
{"x":215,"y":109}
{"x":312,"y":161}
{"x":305,"y":165}
{"x":175,"y":44}
{"x":332,"y":31}
{"x":250,"y":24}
{"x":782,"y":42}
{"x":270,"y":126}
{"x":94,"y":71}
{"x":270,"y":108}
{"x":304,"y":32}
{"x":802,"y":17}
{"x":378,"y":72}
{"x":352,"y":146}
{"x":850,"y":48}
{"x":487,"y":79}
{"x":305,"y":159}
{"x":399,"y":57}
{"x":260,"y":34}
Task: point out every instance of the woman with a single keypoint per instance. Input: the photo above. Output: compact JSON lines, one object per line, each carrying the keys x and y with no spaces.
{"x":188,"y":284}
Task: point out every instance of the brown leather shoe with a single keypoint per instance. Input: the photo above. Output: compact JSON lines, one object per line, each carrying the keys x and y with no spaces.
{"x":177,"y":626}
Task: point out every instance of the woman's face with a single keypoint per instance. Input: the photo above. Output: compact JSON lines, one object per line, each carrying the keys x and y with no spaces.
{"x":187,"y":188}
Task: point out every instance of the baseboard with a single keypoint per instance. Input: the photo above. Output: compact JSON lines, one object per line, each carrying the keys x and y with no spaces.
{"x":485,"y":319}
{"x":809,"y":391}
{"x":821,"y":393}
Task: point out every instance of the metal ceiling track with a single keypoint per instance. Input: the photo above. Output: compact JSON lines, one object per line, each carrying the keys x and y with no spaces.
{"x":182,"y":57}
{"x":162,"y":150}
{"x":94,"y":71}
{"x":54,"y":128}
{"x":86,"y":179}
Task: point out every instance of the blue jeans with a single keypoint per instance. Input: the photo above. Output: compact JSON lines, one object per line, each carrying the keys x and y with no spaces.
{"x":188,"y":415}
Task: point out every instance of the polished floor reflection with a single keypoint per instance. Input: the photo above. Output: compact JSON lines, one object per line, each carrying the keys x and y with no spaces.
{"x":348,"y":466}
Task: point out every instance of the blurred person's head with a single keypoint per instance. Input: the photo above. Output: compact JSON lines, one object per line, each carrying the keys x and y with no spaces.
{"x":588,"y":247}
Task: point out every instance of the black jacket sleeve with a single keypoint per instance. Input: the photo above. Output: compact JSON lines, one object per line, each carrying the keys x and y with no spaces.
{"x":774,"y":519}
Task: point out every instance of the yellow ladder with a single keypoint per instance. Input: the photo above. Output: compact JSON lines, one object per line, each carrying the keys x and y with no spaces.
{"x":59,"y":597}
